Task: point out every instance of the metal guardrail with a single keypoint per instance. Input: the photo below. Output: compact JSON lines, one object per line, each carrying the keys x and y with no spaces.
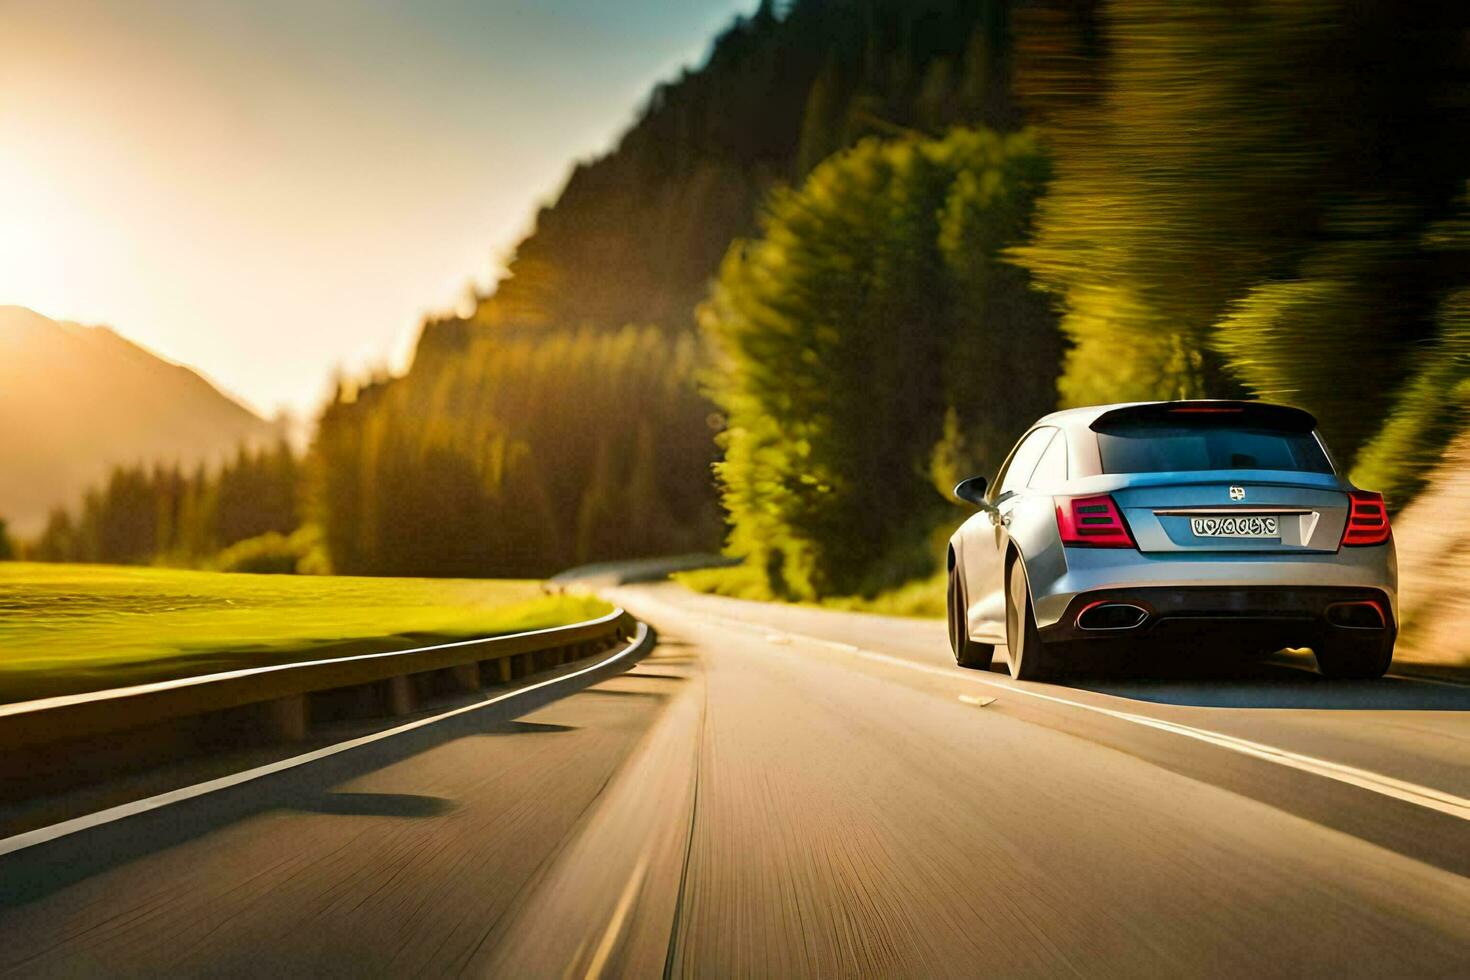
{"x":283,"y":692}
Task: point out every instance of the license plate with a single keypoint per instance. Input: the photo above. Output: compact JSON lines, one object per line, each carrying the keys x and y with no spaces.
{"x":1234,"y":527}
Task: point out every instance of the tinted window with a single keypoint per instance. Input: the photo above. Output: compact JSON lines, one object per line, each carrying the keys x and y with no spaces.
{"x":1183,"y":448}
{"x":1023,"y":461}
{"x":1053,"y":466}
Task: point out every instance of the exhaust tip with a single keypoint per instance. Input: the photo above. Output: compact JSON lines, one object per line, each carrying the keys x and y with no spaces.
{"x":1111,"y":616}
{"x":1364,"y":615}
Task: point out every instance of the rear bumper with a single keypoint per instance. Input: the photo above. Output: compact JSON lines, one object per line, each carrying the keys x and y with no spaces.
{"x":1244,"y":586}
{"x":1272,"y":617}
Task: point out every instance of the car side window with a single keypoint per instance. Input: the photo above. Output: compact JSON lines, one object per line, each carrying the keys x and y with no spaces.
{"x":1023,"y":461}
{"x":1053,"y":466}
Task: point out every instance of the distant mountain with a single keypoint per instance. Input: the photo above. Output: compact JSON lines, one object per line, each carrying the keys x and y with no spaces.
{"x":76,"y":401}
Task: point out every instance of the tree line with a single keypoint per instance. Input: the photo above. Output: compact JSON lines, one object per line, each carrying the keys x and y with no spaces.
{"x":163,"y":514}
{"x":523,"y":455}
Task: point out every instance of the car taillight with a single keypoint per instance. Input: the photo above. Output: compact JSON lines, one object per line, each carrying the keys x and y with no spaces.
{"x":1092,"y":522}
{"x":1367,"y":521}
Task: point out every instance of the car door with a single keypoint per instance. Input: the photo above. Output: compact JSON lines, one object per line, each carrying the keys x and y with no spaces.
{"x":985,"y":552}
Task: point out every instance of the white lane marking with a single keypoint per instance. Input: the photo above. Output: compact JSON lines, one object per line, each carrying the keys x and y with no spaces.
{"x":1398,"y":789}
{"x":1455,"y":806}
{"x":615,"y":924}
{"x":43,"y":834}
{"x":976,"y":701}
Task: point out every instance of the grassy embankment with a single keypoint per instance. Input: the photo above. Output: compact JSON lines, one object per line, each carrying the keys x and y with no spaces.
{"x":922,"y":597}
{"x":66,"y":629}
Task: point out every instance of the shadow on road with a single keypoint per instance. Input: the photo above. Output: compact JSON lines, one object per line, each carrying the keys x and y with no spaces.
{"x":37,"y":871}
{"x":375,"y":805}
{"x":528,"y":728}
{"x":1287,"y":681}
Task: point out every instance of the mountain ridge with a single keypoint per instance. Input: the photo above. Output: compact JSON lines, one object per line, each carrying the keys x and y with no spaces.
{"x":77,"y":400}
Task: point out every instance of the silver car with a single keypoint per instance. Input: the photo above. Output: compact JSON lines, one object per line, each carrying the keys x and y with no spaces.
{"x":1176,"y":527}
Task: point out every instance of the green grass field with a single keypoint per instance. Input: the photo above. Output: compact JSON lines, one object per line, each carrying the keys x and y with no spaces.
{"x":66,"y":629}
{"x":923,"y":598}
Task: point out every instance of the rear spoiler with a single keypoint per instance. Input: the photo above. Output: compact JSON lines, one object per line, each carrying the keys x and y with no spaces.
{"x":1254,"y":415}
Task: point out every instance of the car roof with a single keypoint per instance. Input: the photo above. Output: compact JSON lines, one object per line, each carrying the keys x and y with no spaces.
{"x":1074,"y":419}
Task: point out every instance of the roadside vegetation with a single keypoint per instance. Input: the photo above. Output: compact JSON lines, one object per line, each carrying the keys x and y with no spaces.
{"x":65,"y":629}
{"x":921,"y":598}
{"x":859,"y":341}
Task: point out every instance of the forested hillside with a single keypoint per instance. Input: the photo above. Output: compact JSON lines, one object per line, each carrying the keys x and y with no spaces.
{"x":526,"y":453}
{"x":562,"y":422}
{"x":636,"y":234}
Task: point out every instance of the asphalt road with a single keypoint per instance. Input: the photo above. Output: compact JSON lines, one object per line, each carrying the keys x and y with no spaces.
{"x":789,"y":792}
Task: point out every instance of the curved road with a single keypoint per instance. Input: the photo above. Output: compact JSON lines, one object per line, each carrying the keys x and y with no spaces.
{"x":778,"y":791}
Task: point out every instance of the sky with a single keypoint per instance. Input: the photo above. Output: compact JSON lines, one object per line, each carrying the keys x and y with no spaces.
{"x":271,"y":190}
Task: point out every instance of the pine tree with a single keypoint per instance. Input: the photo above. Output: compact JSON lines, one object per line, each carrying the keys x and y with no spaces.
{"x":838,"y":332}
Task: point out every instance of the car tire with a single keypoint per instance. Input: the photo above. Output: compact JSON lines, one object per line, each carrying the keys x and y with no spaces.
{"x":967,"y":652}
{"x":1028,"y":656}
{"x":1354,"y":658}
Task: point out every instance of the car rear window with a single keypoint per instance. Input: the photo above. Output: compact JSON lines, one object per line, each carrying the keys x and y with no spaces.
{"x":1173,"y":448}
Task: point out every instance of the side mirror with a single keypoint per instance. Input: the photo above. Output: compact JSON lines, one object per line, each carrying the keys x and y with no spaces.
{"x":972,"y":490}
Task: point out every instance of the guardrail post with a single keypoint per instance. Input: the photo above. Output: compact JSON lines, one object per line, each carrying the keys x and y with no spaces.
{"x":502,"y":670}
{"x":467,"y":676}
{"x":287,"y":719}
{"x":400,"y":696}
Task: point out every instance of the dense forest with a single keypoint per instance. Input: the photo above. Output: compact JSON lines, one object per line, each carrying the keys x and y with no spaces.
{"x":522,"y":454}
{"x":844,"y":261}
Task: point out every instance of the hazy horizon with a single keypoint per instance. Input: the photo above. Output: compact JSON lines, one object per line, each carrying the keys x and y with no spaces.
{"x":221,"y":182}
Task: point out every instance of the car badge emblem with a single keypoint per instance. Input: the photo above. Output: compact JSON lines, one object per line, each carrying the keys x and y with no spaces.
{"x":1237,"y":493}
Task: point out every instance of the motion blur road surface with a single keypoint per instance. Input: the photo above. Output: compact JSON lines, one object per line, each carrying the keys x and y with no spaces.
{"x":780,"y":791}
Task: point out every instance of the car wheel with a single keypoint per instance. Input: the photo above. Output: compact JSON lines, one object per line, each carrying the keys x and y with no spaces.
{"x":1354,"y":658}
{"x":1028,"y":657}
{"x":967,"y":653}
